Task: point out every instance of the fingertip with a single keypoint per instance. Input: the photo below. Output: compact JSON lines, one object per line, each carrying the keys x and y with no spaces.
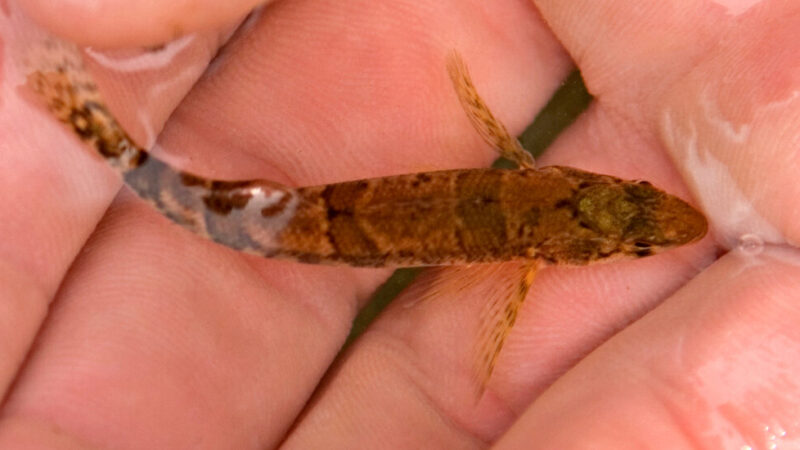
{"x":708,"y":365}
{"x":119,"y":23}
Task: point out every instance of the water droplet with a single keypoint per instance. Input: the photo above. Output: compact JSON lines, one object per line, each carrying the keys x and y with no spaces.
{"x":751,"y":244}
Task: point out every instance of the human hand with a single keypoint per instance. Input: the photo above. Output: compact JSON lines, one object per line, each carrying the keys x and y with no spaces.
{"x":157,"y":338}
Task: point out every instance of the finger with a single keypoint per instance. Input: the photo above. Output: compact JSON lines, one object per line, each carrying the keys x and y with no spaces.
{"x":739,"y":138}
{"x":417,"y":363}
{"x":96,"y":281}
{"x":155,"y":327}
{"x":391,"y":386}
{"x":705,"y":133}
{"x":617,"y":47}
{"x":574,"y":311}
{"x":712,"y":366}
{"x":236,"y":148}
{"x":114,"y":23}
{"x":56,"y":190}
{"x":285,"y":74}
{"x":720,"y":102}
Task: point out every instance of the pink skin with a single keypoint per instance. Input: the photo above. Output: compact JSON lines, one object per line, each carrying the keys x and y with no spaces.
{"x":155,"y":338}
{"x":119,"y":23}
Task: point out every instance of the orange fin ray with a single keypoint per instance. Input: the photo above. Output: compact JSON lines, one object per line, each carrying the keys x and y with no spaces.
{"x":443,"y":281}
{"x":491,"y":130}
{"x":499,"y":288}
{"x":498,"y":319}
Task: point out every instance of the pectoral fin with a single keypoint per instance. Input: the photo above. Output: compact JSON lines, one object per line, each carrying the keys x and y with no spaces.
{"x":501,"y":289}
{"x":497,"y":319}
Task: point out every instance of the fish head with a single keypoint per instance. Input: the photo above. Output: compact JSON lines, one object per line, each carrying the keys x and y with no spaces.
{"x":637,"y":218}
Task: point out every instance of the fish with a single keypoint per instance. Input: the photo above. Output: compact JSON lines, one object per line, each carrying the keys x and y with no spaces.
{"x":533,"y":217}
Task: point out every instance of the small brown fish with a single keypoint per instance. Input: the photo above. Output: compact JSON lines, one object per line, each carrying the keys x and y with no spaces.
{"x":553,"y":215}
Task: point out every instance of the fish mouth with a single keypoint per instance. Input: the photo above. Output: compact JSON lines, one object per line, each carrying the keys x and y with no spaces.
{"x":680,"y":222}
